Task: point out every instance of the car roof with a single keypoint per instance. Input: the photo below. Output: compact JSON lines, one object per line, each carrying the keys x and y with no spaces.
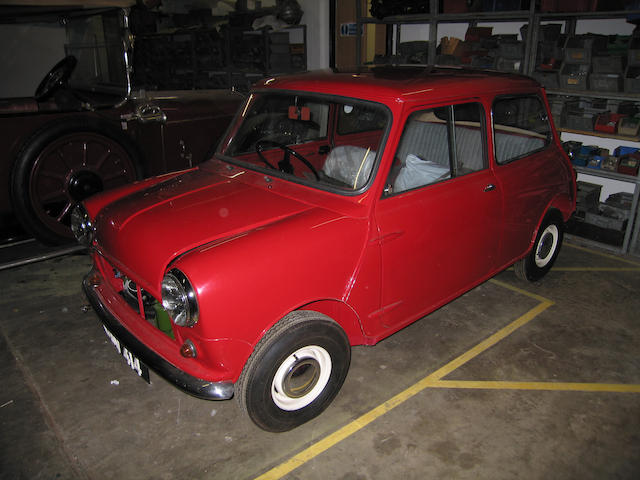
{"x":404,"y":83}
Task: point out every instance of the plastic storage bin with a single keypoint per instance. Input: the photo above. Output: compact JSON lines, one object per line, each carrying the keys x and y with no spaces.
{"x":608,"y":122}
{"x":607,"y":64}
{"x":588,"y":198}
{"x":605,"y":82}
{"x":629,"y":126}
{"x":632,"y":79}
{"x":578,"y":120}
{"x":633,"y":54}
{"x":573,"y":76}
{"x":610,"y":163}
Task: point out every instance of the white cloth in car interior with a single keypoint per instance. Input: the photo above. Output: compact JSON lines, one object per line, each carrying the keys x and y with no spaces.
{"x":348,"y":163}
{"x":417,"y":172}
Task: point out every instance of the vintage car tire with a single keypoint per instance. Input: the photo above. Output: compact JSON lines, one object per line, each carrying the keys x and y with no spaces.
{"x":545,"y":250}
{"x":44,"y":188}
{"x":306,"y":347}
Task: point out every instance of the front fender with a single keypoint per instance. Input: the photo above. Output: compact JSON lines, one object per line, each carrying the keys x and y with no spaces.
{"x":247,"y":283}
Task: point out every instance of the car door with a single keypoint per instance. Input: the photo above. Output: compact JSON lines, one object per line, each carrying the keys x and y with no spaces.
{"x":439,"y":218}
{"x":527,"y":169}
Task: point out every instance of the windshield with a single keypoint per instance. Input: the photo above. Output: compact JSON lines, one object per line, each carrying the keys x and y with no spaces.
{"x":326,"y":142}
{"x":97,"y":43}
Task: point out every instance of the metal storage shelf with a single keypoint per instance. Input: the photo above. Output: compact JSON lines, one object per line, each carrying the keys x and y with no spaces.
{"x":205,"y":58}
{"x":631,"y":232}
{"x":533,"y":18}
{"x":606,"y":174}
{"x":601,"y":135}
{"x":593,"y":94}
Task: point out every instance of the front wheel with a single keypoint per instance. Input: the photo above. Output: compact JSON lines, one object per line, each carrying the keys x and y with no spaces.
{"x":544,"y":252}
{"x":294,"y":372}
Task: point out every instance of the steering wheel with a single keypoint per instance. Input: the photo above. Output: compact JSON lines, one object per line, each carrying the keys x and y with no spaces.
{"x":284,"y":165}
{"x":56,"y":78}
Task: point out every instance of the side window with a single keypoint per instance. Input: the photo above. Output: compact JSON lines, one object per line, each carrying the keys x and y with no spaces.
{"x":520,"y":127}
{"x":438,"y":144}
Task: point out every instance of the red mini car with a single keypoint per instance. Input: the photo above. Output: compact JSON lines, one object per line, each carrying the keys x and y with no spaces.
{"x":338,"y":209}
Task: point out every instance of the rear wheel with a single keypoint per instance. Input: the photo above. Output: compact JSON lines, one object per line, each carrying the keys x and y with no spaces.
{"x":544,"y":252}
{"x":294,"y":372}
{"x":62,"y":164}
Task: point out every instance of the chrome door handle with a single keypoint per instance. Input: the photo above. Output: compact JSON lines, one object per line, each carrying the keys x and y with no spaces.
{"x":489,"y":187}
{"x":150,"y":113}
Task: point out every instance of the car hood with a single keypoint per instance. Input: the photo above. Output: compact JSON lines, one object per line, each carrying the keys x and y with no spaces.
{"x":143,"y":232}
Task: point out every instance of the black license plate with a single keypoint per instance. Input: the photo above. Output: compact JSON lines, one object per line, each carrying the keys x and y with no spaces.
{"x":134,"y":362}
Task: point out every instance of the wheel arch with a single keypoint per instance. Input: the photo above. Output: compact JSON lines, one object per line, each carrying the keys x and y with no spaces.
{"x":560,"y":208}
{"x":343,"y":314}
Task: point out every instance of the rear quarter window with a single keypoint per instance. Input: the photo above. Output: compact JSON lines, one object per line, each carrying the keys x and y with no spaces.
{"x":520,"y":127}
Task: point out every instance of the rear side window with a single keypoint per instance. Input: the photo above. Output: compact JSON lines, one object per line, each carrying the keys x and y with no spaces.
{"x":520,"y":127}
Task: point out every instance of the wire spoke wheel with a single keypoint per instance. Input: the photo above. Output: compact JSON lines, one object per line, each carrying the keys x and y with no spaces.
{"x":71,"y":169}
{"x":64,"y":163}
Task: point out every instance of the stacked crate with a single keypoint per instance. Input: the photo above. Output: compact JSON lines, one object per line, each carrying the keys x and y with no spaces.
{"x":482,"y":49}
{"x":632,"y":73}
{"x":576,"y":66}
{"x":549,"y":53}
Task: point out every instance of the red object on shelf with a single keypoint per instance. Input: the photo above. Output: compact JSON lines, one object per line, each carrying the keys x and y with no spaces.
{"x":608,"y":122}
{"x":455,"y":6}
{"x":569,"y":5}
{"x":629,"y":164}
{"x":476,"y":34}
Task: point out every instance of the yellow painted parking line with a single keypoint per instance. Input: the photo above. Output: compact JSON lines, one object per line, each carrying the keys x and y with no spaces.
{"x":428,"y":381}
{"x":434,"y":380}
{"x":601,"y":254}
{"x":549,"y":386}
{"x":596,"y":269}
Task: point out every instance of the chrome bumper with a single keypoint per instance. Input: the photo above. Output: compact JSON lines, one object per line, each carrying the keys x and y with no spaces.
{"x":185,"y":382}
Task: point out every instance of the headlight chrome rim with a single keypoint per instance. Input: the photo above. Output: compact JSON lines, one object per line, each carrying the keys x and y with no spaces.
{"x":82,"y":226}
{"x":179,"y":299}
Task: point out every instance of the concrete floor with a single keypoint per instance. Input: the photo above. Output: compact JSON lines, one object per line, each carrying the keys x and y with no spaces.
{"x":556,"y":394}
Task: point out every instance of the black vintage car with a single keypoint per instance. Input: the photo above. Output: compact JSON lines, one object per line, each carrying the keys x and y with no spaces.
{"x":87,"y":129}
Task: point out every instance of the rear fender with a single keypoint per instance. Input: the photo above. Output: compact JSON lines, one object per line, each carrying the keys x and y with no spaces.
{"x":560,"y":208}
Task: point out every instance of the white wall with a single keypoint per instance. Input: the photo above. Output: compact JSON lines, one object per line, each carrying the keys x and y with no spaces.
{"x":27,"y":53}
{"x":316,"y":17}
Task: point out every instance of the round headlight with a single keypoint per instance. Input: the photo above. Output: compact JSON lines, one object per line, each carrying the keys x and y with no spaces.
{"x":179,"y":299}
{"x":81,"y":225}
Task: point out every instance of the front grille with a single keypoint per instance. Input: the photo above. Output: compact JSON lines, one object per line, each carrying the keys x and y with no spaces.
{"x":140,"y":301}
{"x":152,"y":309}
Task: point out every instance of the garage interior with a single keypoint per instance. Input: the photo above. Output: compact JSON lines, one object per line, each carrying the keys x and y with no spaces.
{"x":511,"y":380}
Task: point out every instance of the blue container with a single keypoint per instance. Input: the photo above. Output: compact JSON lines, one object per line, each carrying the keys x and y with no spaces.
{"x":622,"y":150}
{"x":595,"y":162}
